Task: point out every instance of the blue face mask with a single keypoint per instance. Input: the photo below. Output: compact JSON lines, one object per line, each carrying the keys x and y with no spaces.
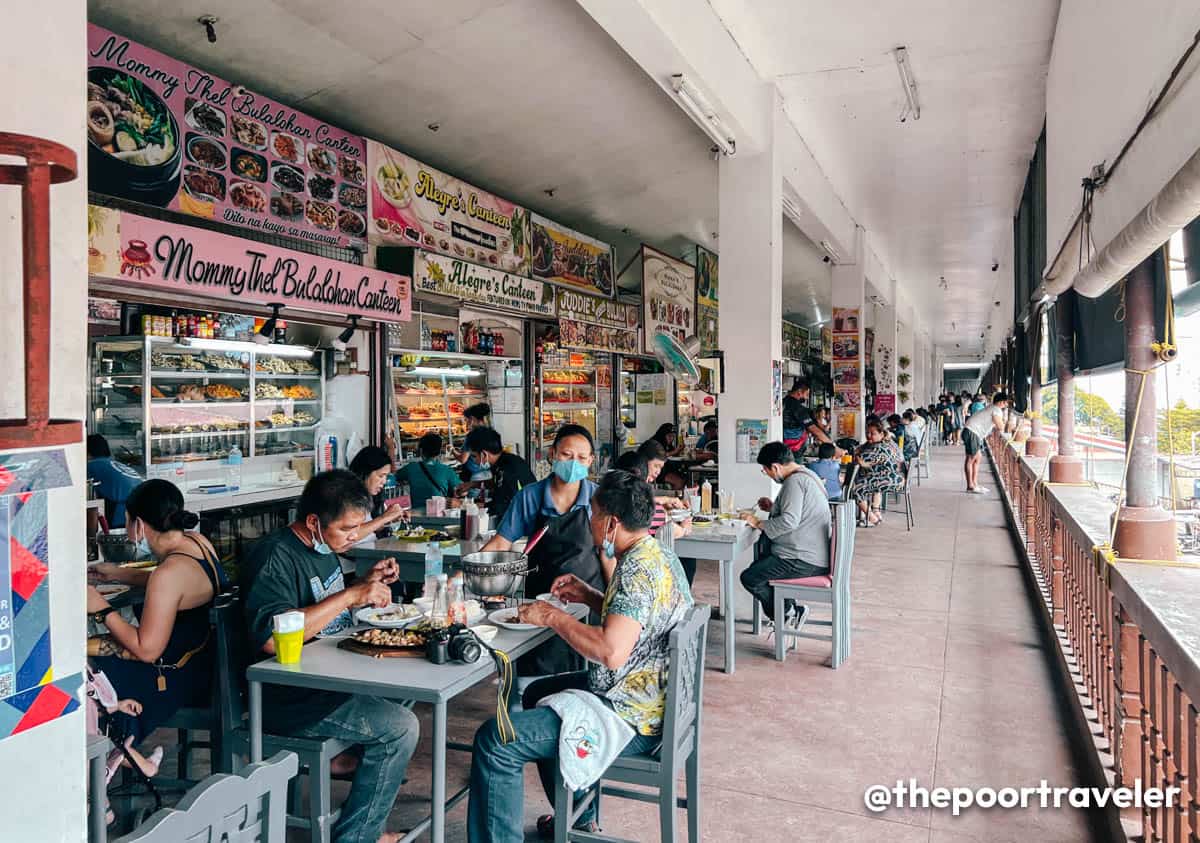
{"x":143,"y":546}
{"x":319,"y":543}
{"x":570,"y":471}
{"x":608,"y":547}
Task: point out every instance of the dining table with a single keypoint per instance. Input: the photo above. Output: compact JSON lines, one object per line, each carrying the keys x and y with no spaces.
{"x":409,"y":555}
{"x":323,"y":666}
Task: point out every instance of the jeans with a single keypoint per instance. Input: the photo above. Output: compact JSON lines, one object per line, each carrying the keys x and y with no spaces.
{"x":496,"y":807}
{"x":756,"y":579}
{"x":387,"y":732}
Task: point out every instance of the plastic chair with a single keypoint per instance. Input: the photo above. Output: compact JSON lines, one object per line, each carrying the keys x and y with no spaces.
{"x":680,"y":748}
{"x":226,"y":807}
{"x":833,"y":588}
{"x":904,"y":493}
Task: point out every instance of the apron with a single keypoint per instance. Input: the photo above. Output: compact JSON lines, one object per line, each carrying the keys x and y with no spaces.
{"x":566,"y":548}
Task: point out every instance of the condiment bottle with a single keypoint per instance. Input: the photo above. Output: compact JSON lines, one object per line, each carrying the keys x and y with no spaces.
{"x":439,"y":616}
{"x":706,"y":496}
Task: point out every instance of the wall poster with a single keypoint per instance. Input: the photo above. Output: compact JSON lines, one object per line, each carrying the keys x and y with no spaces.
{"x":707,"y":283}
{"x":668,"y":296}
{"x":749,"y":437}
{"x":563,"y":256}
{"x":776,"y":388}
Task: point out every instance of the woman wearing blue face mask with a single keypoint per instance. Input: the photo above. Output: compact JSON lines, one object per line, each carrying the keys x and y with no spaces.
{"x":164,"y":662}
{"x":562,"y":505}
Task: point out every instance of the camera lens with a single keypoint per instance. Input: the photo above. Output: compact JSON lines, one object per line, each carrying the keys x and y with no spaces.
{"x":465,"y":648}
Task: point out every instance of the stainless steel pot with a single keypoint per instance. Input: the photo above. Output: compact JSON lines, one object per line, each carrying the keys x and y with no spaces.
{"x":489,"y":572}
{"x":116,"y":547}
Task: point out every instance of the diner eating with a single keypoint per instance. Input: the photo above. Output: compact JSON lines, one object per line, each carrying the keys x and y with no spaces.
{"x":880,"y":470}
{"x":373,"y":467}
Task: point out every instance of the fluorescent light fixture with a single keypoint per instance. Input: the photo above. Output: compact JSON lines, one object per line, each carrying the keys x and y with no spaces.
{"x":433,"y":371}
{"x":704,"y":115}
{"x":277,"y":350}
{"x":912,"y":101}
{"x":961,"y":365}
{"x":790,"y":209}
{"x":829,"y":250}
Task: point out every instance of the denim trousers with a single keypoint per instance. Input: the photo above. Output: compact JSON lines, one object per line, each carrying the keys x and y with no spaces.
{"x":496,"y":808}
{"x":387,"y":731}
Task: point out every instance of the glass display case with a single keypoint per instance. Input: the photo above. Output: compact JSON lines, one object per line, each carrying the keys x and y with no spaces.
{"x":565,"y":394}
{"x":431,"y":392}
{"x":164,"y":400}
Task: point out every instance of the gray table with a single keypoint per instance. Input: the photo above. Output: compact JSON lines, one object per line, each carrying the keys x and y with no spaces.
{"x":324,"y":667}
{"x":725,"y":544}
{"x":98,"y":747}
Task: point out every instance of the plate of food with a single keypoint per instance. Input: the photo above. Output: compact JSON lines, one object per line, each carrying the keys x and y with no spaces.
{"x":248,"y":197}
{"x":249,"y":132}
{"x":395,"y":616}
{"x":287,"y":147}
{"x":351,"y":223}
{"x":249,"y":165}
{"x":111,"y":589}
{"x":286,"y":206}
{"x":385,"y":643}
{"x":320,"y":214}
{"x":507,"y":618}
{"x":425,"y":534}
{"x":321,"y":159}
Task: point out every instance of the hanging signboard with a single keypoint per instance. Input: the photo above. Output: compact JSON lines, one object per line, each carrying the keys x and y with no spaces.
{"x":707,"y":282}
{"x":163,"y":133}
{"x":446,"y":276}
{"x":596,"y":311}
{"x":573,"y":334}
{"x":563,"y":256}
{"x":196,"y":261}
{"x":412,"y":204}
{"x":668,"y":296}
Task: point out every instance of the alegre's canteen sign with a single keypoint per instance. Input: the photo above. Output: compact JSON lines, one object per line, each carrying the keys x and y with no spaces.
{"x":147,"y":252}
{"x":458,"y":279}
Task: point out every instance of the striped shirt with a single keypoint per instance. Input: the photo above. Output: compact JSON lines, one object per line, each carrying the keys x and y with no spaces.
{"x":659,"y":518}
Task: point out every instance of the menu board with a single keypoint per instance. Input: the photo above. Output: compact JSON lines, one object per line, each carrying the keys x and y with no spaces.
{"x":563,"y":256}
{"x":163,"y":133}
{"x":668,"y":296}
{"x":481,"y":284}
{"x":706,"y":277}
{"x":412,"y":204}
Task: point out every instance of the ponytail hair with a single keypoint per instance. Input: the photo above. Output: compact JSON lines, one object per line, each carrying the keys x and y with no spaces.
{"x":159,"y":503}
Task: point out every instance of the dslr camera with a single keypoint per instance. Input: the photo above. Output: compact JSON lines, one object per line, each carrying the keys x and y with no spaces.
{"x":454,"y":643}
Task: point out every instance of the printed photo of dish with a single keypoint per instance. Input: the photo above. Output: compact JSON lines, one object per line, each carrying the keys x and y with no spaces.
{"x":320,"y":187}
{"x":134,"y":144}
{"x":249,"y":132}
{"x":352,"y":197}
{"x":248,"y":197}
{"x":351,"y":223}
{"x":321,"y":159}
{"x":205,"y":152}
{"x":393,"y":183}
{"x":249,"y":165}
{"x":287,"y":206}
{"x":205,"y":118}
{"x":287,"y":147}
{"x":320,"y":214}
{"x":287,"y":178}
{"x":204,"y":185}
{"x":352,"y":169}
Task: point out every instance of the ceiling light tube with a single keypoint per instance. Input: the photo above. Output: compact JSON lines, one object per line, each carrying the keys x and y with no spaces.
{"x":704,"y":115}
{"x":829,"y":250}
{"x":433,"y":371}
{"x":790,"y":209}
{"x":912,"y":105}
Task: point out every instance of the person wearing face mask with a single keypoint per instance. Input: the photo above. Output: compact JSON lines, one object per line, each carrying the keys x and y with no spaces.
{"x":795,"y":536}
{"x":562,"y":504}
{"x":296,"y":568}
{"x":627,"y":656}
{"x":373,"y":466}
{"x":509,"y":473}
{"x":470,"y":469}
{"x":165,"y":661}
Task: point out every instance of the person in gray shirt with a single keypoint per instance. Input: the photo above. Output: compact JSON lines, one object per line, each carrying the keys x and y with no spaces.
{"x":795,"y":537}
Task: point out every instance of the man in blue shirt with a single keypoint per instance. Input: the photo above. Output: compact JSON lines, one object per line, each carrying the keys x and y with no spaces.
{"x":116,"y":479}
{"x":827,"y":468}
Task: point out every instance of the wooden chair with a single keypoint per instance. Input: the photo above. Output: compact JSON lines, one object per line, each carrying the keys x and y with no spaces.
{"x":680,"y":748}
{"x":233,"y":808}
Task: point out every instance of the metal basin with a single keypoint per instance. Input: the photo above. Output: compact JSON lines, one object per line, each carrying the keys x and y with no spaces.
{"x":498,"y":572}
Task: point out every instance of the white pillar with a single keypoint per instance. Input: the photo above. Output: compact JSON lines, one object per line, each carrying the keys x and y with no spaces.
{"x":885,"y":346}
{"x":904,"y":348}
{"x":849,"y":291}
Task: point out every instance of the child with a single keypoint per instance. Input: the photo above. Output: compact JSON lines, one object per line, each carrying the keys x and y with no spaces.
{"x":826,"y":467}
{"x":101,"y":694}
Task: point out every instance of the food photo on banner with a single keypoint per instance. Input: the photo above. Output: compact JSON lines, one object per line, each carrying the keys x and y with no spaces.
{"x":164,"y":133}
{"x":845,"y":319}
{"x":845,"y":346}
{"x":568,"y":258}
{"x":668,"y":296}
{"x":845,"y":374}
{"x":707,"y":280}
{"x":596,"y":324}
{"x":847,"y":398}
{"x":413,"y":204}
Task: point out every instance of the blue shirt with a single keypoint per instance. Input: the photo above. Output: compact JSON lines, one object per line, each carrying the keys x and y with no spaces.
{"x":827,"y":470}
{"x":117,"y":480}
{"x":534,"y":500}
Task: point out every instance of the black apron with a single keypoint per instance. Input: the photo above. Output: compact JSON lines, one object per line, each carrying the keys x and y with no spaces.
{"x":566,"y":548}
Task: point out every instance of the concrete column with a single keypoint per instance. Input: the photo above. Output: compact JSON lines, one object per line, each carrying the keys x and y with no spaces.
{"x":1144,"y":529}
{"x":904,"y":348}
{"x":849,"y":291}
{"x":751,"y":316}
{"x":1036,"y":445}
{"x":885,"y":346}
{"x":1065,"y":467}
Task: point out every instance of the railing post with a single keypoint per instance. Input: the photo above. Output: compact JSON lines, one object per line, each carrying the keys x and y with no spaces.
{"x":1127,"y":749}
{"x":1057,"y":595}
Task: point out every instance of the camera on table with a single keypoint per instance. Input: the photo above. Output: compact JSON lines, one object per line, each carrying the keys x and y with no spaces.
{"x":454,"y":643}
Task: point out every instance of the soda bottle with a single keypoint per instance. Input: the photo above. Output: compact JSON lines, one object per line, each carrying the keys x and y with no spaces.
{"x":498,"y":344}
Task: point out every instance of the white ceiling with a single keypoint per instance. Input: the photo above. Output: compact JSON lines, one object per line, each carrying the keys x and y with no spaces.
{"x":936,"y":195}
{"x":530,"y":95}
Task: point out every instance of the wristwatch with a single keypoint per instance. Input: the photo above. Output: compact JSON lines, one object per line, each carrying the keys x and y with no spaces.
{"x":98,"y":617}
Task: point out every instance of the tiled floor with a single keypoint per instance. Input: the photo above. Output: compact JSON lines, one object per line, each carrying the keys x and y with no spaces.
{"x":949,"y":683}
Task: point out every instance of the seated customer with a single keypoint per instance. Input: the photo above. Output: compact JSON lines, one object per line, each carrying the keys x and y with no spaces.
{"x":297,"y":568}
{"x":912,"y":437}
{"x":634,"y":463}
{"x":373,"y":467}
{"x":880,"y":469}
{"x":795,"y":538}
{"x":829,"y":470}
{"x":510,"y":473}
{"x":427,"y":476}
{"x":627,"y":656}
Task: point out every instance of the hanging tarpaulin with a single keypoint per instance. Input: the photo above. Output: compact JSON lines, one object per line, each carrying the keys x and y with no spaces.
{"x":1099,"y":322}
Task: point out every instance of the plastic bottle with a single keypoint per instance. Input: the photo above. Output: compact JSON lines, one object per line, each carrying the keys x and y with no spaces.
{"x":498,"y":344}
{"x":706,"y":497}
{"x":470,"y":521}
{"x":426,"y":337}
{"x":440,"y":613}
{"x":433,"y":568}
{"x":456,"y":601}
{"x":233,"y":472}
{"x":451,"y":341}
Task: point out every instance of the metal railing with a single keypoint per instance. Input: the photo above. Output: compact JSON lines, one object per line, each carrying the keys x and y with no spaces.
{"x":1135,"y":680}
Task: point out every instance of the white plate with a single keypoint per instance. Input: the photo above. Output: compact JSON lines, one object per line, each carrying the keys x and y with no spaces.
{"x":370,"y":615}
{"x":507,"y":618}
{"x":111,"y":589}
{"x":552,"y":600}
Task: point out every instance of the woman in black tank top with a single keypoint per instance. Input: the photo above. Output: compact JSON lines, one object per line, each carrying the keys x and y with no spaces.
{"x":166,"y":661}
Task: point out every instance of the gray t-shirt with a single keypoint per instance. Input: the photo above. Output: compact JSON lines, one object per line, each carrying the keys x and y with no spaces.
{"x":981,"y":423}
{"x":799,"y":524}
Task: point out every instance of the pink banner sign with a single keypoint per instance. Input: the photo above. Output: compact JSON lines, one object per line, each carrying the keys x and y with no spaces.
{"x":885,"y":404}
{"x":163,"y":133}
{"x":197,"y":262}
